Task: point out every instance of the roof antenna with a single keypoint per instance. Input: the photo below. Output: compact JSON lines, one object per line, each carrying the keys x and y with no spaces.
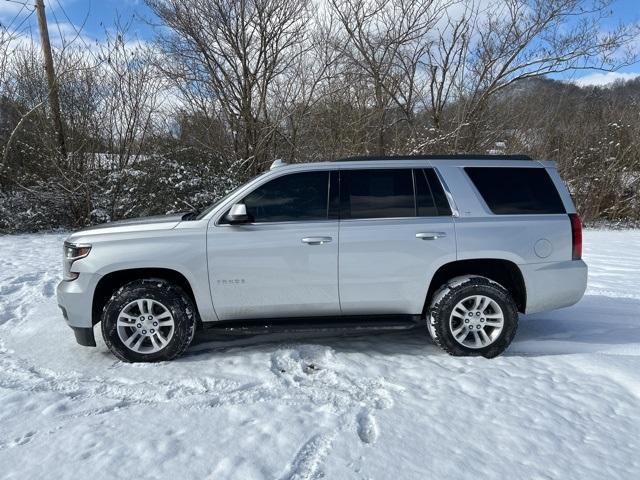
{"x":277,"y":163}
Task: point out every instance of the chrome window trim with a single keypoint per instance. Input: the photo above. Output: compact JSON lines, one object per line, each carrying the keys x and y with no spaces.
{"x":276,"y":173}
{"x":335,"y":220}
{"x":384,"y":218}
{"x":288,"y":222}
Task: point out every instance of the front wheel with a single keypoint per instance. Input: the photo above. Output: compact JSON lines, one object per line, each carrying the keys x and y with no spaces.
{"x":473,"y":316}
{"x":148,"y":320}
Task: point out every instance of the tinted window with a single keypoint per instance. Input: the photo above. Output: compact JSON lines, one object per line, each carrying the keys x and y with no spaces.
{"x":379,"y":193}
{"x":430,"y":198}
{"x":440,"y":199}
{"x":424,"y":196}
{"x":334,"y":195}
{"x":295,"y":197}
{"x":516,"y":190}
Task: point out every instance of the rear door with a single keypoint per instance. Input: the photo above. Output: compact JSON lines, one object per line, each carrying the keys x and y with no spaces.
{"x":396,"y":229}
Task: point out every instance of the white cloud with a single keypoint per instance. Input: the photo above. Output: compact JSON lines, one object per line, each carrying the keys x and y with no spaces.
{"x":600,"y":79}
{"x":10,"y":8}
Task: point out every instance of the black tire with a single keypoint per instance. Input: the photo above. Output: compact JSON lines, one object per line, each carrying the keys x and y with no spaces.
{"x":457,"y":289}
{"x":172,"y":297}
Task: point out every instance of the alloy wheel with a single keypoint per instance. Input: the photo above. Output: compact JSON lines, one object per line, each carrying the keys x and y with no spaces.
{"x":145,"y":326}
{"x":476,"y":321}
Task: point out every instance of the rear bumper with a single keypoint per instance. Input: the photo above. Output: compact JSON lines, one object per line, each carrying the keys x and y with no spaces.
{"x":554,"y":285}
{"x":75,"y":299}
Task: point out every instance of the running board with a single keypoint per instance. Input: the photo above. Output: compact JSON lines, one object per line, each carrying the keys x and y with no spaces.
{"x":311,"y":325}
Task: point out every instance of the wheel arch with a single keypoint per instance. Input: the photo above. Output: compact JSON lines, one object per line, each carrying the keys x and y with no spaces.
{"x":110,"y":282}
{"x":505,"y":272}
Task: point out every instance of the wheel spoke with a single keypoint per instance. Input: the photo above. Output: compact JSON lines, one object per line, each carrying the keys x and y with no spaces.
{"x":139,"y":342}
{"x":484,"y":304}
{"x":476,"y":301}
{"x":125,"y":321}
{"x":497,"y":323}
{"x":153,"y":342}
{"x":161,"y":340}
{"x":461,"y":306}
{"x":456,"y":332}
{"x":462,"y":334}
{"x":134,"y":336}
{"x":141,"y":306}
{"x":486,"y":340}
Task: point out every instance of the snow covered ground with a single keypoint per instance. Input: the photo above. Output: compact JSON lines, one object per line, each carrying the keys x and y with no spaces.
{"x":563,"y":403}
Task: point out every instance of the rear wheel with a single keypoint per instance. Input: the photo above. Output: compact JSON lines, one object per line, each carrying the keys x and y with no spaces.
{"x":148,"y":320}
{"x":473,"y":316}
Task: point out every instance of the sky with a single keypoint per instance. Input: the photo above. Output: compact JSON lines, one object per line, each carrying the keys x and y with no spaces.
{"x":93,"y":17}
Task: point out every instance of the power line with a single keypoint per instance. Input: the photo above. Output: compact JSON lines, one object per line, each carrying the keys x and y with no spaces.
{"x":24,"y":4}
{"x":73,"y":25}
{"x":15,"y":32}
{"x":8,"y":27}
{"x":10,"y":24}
{"x":78,"y":32}
{"x":24,"y":20}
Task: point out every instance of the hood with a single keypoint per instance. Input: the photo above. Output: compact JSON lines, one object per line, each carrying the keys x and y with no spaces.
{"x":156,"y":222}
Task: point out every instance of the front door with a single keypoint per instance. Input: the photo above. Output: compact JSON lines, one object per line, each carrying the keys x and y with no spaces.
{"x":284,"y":261}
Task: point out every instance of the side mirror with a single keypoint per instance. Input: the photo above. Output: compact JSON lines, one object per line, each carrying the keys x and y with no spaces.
{"x":237,"y":214}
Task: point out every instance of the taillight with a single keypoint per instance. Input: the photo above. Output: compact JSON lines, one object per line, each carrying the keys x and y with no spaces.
{"x":576,"y":236}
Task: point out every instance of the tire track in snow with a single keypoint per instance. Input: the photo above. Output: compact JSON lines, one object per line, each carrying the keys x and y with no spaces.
{"x":302,"y":375}
{"x":314,"y":372}
{"x":320,"y":387}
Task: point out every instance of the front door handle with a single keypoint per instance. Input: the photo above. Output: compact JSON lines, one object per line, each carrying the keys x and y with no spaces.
{"x":430,"y":235}
{"x":316,"y":240}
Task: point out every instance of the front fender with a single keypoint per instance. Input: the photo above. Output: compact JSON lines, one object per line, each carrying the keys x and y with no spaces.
{"x":179,"y":250}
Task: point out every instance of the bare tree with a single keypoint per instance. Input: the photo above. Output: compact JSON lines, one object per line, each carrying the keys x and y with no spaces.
{"x":226,"y":56}
{"x":485,"y":47}
{"x":384,"y":41}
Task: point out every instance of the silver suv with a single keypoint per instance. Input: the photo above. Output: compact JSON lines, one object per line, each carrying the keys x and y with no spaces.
{"x":456,"y":244}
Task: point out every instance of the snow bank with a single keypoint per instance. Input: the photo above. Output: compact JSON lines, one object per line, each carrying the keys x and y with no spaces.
{"x":562,"y":403}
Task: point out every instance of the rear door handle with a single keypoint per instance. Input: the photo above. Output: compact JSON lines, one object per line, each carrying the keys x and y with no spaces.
{"x":430,"y":235}
{"x":316,"y":240}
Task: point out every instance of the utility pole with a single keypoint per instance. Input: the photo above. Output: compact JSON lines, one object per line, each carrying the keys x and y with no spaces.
{"x":54,"y":100}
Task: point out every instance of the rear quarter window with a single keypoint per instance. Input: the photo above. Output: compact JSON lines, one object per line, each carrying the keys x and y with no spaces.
{"x":517,"y":190}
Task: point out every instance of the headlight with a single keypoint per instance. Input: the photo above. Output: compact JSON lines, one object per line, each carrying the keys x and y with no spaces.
{"x":73,"y":252}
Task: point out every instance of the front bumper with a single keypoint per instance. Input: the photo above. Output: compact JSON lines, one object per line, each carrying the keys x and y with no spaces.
{"x":554,"y":285}
{"x":75,"y":299}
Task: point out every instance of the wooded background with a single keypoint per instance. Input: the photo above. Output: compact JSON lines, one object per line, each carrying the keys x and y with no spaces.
{"x":227,"y":86}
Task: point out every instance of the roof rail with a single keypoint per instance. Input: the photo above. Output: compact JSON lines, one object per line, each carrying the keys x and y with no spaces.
{"x":465,"y":156}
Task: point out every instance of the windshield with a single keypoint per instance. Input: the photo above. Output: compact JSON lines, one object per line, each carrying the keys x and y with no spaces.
{"x":210,"y":208}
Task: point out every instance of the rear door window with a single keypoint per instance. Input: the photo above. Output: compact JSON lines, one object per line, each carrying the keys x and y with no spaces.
{"x":431,"y":200}
{"x":512,"y":191}
{"x":377,"y":193}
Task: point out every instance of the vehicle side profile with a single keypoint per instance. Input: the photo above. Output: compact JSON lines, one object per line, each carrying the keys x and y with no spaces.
{"x":460,"y":245}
